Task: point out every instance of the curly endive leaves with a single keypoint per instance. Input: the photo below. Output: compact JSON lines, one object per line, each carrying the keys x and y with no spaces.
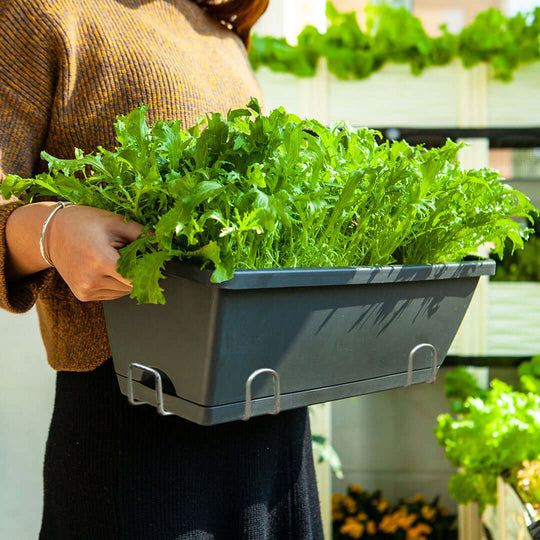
{"x":268,"y":191}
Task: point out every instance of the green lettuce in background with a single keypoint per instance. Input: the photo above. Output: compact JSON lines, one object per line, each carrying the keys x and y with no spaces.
{"x":394,"y":35}
{"x":490,"y":433}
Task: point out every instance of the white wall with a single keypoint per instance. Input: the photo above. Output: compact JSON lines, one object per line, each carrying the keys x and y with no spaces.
{"x":26,"y":400}
{"x":386,"y":441}
{"x":525,"y":6}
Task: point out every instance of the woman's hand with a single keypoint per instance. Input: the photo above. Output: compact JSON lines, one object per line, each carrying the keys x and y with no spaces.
{"x":81,"y":242}
{"x":83,"y":245}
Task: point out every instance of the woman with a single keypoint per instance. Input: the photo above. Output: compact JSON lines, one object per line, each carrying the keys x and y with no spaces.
{"x":112,"y":471}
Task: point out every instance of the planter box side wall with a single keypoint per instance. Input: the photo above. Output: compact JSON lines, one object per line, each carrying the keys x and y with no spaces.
{"x":163,"y":337}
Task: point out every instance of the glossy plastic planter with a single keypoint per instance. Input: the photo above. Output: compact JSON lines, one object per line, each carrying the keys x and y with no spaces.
{"x":271,"y":340}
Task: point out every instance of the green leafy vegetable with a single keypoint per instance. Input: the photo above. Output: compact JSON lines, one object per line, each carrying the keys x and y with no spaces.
{"x":529,"y":375}
{"x":520,"y":265}
{"x":494,"y":432}
{"x":502,"y":41}
{"x":395,"y":35}
{"x":459,"y":386}
{"x":268,"y":191}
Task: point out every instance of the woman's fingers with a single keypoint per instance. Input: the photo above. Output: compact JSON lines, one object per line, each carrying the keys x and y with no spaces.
{"x":130,"y":231}
{"x":122,"y":281}
{"x":106,"y":294}
{"x":86,"y":293}
{"x":111,"y":265}
{"x":83,"y":245}
{"x":119,"y":284}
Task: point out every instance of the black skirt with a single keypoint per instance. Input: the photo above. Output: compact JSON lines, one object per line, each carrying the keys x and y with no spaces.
{"x":118,"y":472}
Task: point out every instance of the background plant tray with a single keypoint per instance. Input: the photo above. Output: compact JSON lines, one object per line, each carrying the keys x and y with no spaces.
{"x":328,"y":333}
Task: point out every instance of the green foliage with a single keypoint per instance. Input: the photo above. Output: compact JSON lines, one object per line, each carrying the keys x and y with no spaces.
{"x":255,"y":191}
{"x":494,"y":432}
{"x":346,"y":47}
{"x":459,"y":386}
{"x":327,"y":452}
{"x":278,"y":55}
{"x":520,"y":265}
{"x":395,"y":35}
{"x":502,"y":41}
{"x":529,"y":375}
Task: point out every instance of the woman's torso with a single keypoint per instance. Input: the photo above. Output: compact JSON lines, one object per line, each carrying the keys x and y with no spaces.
{"x":104,"y":58}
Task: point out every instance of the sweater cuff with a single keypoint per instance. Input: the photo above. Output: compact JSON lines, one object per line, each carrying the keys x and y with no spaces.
{"x":21,"y":295}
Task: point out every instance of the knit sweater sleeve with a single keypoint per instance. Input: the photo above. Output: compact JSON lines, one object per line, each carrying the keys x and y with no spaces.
{"x":26,"y":90}
{"x":21,"y":295}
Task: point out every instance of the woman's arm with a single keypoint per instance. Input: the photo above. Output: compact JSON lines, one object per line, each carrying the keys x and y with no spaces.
{"x":82,"y":243}
{"x":22,"y":235}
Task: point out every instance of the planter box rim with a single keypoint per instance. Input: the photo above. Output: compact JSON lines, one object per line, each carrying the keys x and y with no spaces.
{"x":272,"y":278}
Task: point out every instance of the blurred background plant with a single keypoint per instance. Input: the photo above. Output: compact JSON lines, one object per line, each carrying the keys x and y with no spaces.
{"x":394,"y":34}
{"x":492,"y":433}
{"x":324,"y":451}
{"x":525,"y":478}
{"x":521,"y":265}
{"x":363,"y":514}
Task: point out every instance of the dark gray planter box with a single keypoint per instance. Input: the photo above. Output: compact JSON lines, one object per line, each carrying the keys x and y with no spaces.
{"x":327,"y":334}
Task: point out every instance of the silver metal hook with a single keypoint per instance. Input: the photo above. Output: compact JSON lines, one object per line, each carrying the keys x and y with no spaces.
{"x":159,"y":387}
{"x":277,"y":395}
{"x":411,"y":360}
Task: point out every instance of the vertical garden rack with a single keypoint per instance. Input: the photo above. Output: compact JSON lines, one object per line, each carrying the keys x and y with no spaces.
{"x":442,"y":97}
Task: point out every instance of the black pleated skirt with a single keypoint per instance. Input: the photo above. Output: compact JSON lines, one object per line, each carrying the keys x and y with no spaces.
{"x":117,"y":472}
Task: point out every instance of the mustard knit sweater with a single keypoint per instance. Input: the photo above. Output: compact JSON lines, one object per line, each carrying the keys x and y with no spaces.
{"x":67,"y":69}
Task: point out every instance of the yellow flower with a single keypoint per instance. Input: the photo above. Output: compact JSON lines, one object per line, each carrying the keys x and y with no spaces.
{"x":418,"y":532}
{"x":362,"y":516}
{"x":352,"y":527}
{"x":428,"y":512}
{"x":443,"y":510}
{"x":389,"y":524}
{"x":404,"y":522}
{"x":337,"y":498}
{"x":337,"y":515}
{"x":417,"y":498}
{"x":371,"y":527}
{"x":350,"y":504}
{"x":355,"y":488}
{"x":382,"y":505}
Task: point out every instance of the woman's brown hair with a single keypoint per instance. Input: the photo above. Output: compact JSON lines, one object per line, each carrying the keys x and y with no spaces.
{"x":240,"y":15}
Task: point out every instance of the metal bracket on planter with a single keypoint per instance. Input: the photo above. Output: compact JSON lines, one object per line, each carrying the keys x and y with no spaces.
{"x":411,"y":360}
{"x":277,"y":395}
{"x":159,"y":387}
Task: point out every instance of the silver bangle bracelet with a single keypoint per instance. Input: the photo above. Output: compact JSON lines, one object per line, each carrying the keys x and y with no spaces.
{"x":60,"y":204}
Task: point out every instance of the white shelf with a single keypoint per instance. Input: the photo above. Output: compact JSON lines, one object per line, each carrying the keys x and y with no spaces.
{"x":515,"y":104}
{"x":394,"y":97}
{"x":441,"y":97}
{"x":513,"y":319}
